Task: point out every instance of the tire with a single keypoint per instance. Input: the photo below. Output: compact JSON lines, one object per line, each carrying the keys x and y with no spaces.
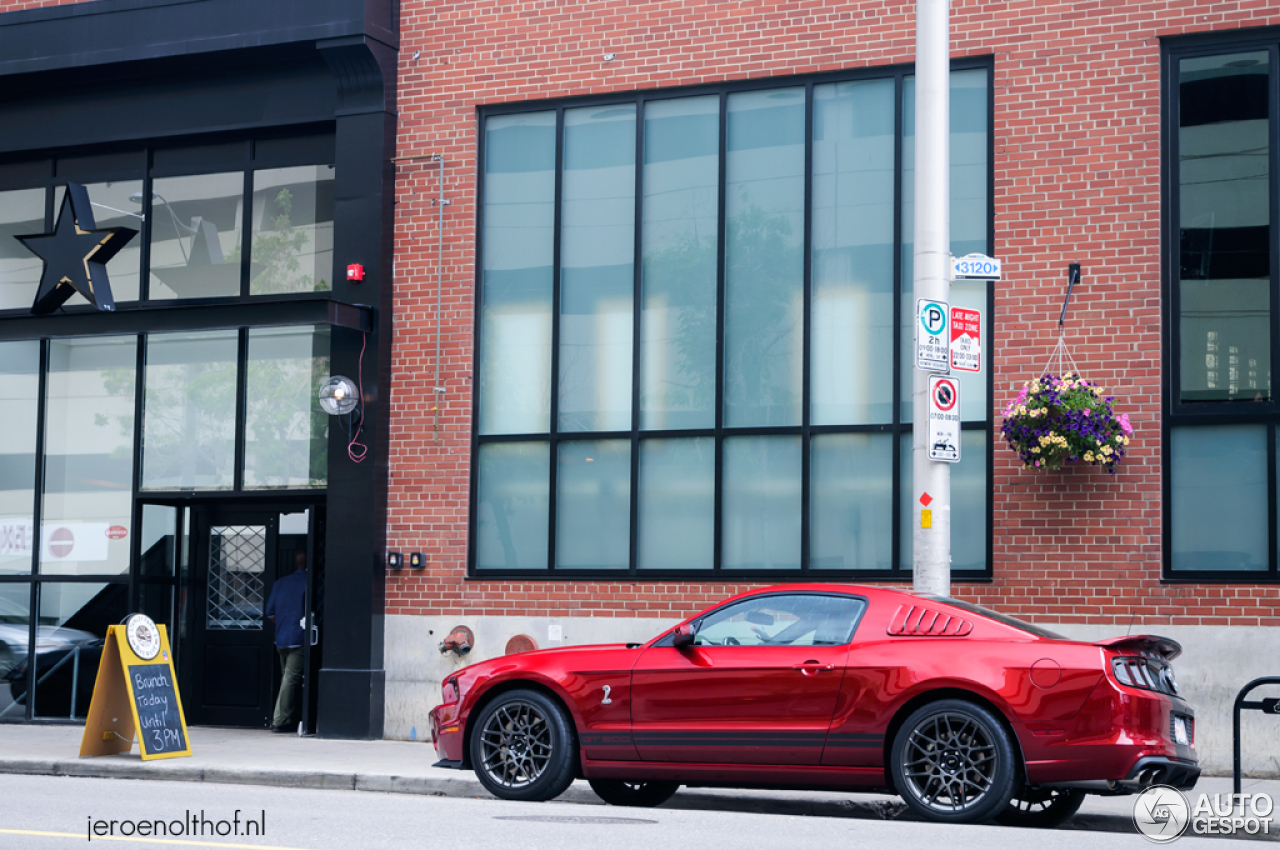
{"x":953,"y":762}
{"x":644,"y":794}
{"x":1041,"y":808}
{"x":523,"y":747}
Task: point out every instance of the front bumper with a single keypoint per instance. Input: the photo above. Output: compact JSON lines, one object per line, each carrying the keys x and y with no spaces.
{"x":446,"y":732}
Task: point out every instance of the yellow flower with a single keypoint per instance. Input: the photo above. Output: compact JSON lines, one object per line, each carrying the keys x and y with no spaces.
{"x":1088,"y":456}
{"x":1035,"y":450}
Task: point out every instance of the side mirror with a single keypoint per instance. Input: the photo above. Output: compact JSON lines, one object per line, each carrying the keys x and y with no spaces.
{"x":682,"y":636}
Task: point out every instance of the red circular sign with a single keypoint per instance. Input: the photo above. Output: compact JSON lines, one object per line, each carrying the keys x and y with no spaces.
{"x":61,"y":542}
{"x":117,"y":532}
{"x":945,"y":395}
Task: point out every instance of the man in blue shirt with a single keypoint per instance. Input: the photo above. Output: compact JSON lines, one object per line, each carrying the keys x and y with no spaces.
{"x":287,"y":607}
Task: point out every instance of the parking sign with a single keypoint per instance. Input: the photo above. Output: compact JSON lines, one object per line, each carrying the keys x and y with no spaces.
{"x":944,"y":419}
{"x":933,"y":341}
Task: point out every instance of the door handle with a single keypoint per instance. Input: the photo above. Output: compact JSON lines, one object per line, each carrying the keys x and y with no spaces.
{"x":315,"y":631}
{"x":809,"y":668}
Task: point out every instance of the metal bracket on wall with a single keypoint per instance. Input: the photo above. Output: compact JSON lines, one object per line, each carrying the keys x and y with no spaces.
{"x":1073,"y":277}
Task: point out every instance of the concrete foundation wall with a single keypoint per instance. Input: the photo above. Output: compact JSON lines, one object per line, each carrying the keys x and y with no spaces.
{"x":1216,"y":662}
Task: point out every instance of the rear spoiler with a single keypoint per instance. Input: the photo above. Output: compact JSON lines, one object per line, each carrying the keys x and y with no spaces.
{"x":1165,"y":648}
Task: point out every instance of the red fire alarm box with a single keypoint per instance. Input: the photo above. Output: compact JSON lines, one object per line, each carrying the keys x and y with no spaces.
{"x":355,"y":271}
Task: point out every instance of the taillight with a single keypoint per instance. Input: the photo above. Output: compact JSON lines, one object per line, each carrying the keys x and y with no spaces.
{"x":1146,"y":674}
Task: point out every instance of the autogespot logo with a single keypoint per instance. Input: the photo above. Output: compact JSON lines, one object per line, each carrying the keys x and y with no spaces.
{"x":1161,"y":813}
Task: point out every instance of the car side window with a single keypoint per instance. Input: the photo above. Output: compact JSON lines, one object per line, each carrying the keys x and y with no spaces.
{"x":800,"y":619}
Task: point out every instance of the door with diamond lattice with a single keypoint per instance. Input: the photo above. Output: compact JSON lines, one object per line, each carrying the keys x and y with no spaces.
{"x":236,"y":553}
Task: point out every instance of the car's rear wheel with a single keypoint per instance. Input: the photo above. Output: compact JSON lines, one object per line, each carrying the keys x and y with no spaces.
{"x":640,"y":793}
{"x":523,"y":747}
{"x":1041,"y":808}
{"x":953,"y":762}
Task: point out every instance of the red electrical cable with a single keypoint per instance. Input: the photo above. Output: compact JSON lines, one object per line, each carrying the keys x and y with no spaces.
{"x":356,"y":450}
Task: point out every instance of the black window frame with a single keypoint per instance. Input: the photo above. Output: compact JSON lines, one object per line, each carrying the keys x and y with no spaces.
{"x":899,"y":429}
{"x":1175,"y":412}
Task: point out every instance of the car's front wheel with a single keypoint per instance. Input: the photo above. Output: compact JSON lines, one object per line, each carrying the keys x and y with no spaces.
{"x":953,"y":762}
{"x":1042,"y":808}
{"x":523,"y":747}
{"x":639,"y":793}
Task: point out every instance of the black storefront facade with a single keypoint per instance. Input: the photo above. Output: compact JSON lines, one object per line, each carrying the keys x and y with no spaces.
{"x":169,"y":456}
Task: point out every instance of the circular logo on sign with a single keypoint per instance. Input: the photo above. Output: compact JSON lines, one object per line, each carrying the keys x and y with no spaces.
{"x":61,"y":542}
{"x":1161,"y":813}
{"x":944,"y":395}
{"x":117,"y":532}
{"x":933,"y":316}
{"x":143,"y":636}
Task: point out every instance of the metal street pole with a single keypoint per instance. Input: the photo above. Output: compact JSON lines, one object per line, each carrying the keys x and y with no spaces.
{"x":931,"y":535}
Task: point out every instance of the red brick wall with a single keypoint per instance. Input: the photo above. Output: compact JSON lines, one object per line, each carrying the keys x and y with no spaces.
{"x":1077,"y":171}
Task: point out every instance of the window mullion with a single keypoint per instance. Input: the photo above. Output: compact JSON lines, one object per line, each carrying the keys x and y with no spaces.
{"x":553,"y":425}
{"x":806,"y":244}
{"x":637,"y":305}
{"x":720,"y":364}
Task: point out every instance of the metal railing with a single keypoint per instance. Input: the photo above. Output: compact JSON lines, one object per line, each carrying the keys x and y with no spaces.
{"x":1267,"y":706}
{"x":74,"y":657}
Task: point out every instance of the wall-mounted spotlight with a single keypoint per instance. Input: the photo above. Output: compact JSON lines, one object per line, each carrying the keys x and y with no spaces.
{"x":417,"y":561}
{"x":338,"y":396}
{"x":395,"y":561}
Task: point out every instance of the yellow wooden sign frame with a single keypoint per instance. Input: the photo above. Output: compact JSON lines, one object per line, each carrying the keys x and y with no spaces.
{"x":113,"y":711}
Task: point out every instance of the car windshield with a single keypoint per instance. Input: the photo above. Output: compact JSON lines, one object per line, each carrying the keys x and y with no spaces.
{"x":1022,"y":625}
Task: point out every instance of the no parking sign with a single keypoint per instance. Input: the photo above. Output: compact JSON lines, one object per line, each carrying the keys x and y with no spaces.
{"x":944,"y":419}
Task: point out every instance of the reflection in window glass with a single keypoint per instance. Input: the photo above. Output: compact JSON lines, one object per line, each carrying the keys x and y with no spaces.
{"x":677,"y":511}
{"x":851,"y":502}
{"x":764,"y":258}
{"x":969,"y":217}
{"x":1218,"y":498}
{"x":159,"y":541}
{"x":292,"y":230}
{"x":286,"y":439}
{"x":72,"y":625}
{"x":21,"y":214}
{"x":593,"y":505}
{"x":88,"y":455}
{"x":512,"y":505}
{"x":1224,"y":225}
{"x":852,"y":306}
{"x":806,"y":619}
{"x":515,"y":289}
{"x":761,"y":503}
{"x":968,"y":504}
{"x":189,"y":410}
{"x":19,"y":389}
{"x":597,"y":268}
{"x":15,"y":622}
{"x":115,"y":204}
{"x":679,"y":233}
{"x":195,"y":235}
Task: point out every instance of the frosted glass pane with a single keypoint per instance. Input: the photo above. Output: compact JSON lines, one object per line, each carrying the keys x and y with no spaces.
{"x":852,"y":222}
{"x":196,"y":223}
{"x":970,"y":212}
{"x":764,"y":258}
{"x":597,"y":268}
{"x":677,"y":504}
{"x":761,"y":503}
{"x":292,"y":230}
{"x":19,"y":398}
{"x":968,"y":504}
{"x":515,"y":290}
{"x":21,"y":214}
{"x":286,"y":433}
{"x":1218,"y":498}
{"x":1224,"y":227}
{"x":851,"y":502}
{"x":678,"y":318}
{"x":593,"y":505}
{"x":512,"y":505}
{"x":88,"y":456}
{"x":189,"y":411}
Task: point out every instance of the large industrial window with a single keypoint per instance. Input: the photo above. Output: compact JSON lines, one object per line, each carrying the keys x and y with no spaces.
{"x":693,"y":331}
{"x":1221,"y":265}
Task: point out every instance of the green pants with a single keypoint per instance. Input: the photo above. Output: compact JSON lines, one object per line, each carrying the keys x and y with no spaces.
{"x":290,"y":686}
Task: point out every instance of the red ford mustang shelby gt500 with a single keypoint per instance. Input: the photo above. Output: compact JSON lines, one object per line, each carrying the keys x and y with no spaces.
{"x":967,"y":714}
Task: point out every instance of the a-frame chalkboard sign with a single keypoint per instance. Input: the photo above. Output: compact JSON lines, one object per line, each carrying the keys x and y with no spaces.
{"x":136,"y":691}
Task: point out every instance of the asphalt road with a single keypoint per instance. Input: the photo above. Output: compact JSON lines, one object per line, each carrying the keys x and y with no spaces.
{"x":52,"y":813}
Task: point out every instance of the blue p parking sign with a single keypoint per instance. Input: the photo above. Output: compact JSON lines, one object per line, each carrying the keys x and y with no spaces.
{"x":933,"y":342}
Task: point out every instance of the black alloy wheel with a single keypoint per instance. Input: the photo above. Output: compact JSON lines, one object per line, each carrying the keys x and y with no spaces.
{"x":1041,"y":808}
{"x":523,"y":747}
{"x":640,"y":793}
{"x":953,"y":762}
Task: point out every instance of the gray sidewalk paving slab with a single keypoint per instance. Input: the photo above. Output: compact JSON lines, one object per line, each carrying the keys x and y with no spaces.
{"x":257,"y":757}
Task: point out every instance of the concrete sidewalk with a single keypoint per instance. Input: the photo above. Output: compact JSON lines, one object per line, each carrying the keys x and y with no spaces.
{"x":251,"y":757}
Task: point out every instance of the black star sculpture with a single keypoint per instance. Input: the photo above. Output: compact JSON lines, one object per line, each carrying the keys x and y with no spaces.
{"x":75,"y":255}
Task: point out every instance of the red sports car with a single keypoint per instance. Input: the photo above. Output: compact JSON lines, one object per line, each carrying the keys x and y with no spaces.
{"x":967,"y":714}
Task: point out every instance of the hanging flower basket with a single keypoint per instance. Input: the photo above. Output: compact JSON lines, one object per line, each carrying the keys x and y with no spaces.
{"x":1055,"y":420}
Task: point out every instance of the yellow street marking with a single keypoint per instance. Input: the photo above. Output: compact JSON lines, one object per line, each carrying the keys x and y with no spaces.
{"x":182,"y":841}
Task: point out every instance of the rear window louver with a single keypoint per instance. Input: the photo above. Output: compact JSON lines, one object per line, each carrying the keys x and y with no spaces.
{"x":919,"y":621}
